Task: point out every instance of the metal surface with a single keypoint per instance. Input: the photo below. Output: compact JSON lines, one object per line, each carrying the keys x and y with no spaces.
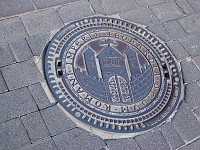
{"x":113,"y":75}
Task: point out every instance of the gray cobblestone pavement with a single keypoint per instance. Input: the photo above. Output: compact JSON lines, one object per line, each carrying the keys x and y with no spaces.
{"x":28,"y":121}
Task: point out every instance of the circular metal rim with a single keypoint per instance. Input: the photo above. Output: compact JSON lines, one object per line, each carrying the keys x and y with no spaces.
{"x":177,"y":65}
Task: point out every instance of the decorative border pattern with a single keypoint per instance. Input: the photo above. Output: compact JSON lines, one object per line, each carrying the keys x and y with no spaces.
{"x":171,"y":87}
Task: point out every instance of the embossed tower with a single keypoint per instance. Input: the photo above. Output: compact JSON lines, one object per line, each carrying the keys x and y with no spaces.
{"x":112,"y":63}
{"x":115,"y":75}
{"x":133,"y":63}
{"x":90,"y":62}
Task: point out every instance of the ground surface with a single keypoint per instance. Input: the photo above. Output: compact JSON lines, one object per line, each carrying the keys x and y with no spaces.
{"x":28,"y":121}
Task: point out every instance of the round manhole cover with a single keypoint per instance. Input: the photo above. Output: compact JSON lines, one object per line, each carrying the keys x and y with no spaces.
{"x":113,"y":75}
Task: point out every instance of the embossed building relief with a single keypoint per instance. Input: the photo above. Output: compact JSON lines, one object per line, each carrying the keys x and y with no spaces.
{"x":113,"y":77}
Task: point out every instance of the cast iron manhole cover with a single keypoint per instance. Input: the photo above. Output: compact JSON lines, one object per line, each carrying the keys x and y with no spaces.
{"x":113,"y":75}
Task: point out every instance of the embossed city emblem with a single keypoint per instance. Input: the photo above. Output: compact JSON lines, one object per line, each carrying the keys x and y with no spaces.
{"x":113,"y":75}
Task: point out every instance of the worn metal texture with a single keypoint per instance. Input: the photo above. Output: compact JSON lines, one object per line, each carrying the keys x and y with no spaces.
{"x":113,"y":75}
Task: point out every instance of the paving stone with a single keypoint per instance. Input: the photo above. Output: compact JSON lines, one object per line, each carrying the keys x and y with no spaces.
{"x":41,"y":22}
{"x":40,"y":4}
{"x":105,"y":148}
{"x":152,"y":140}
{"x":35,"y":126}
{"x":185,"y":6}
{"x":38,"y":42}
{"x":21,"y":74}
{"x":13,"y":135}
{"x":190,"y":71}
{"x":11,"y":29}
{"x":3,"y":86}
{"x":13,"y":7}
{"x":97,"y":6}
{"x":192,"y":95}
{"x":150,"y":2}
{"x":75,"y":0}
{"x":78,"y":139}
{"x":192,"y":146}
{"x":186,"y":123}
{"x":39,"y":96}
{"x":20,"y":50}
{"x":56,"y":120}
{"x":197,"y":61}
{"x":122,"y":144}
{"x":159,"y":31}
{"x":166,"y":11}
{"x":191,"y":23}
{"x":140,"y":15}
{"x":6,"y":56}
{"x":171,"y":135}
{"x":178,"y":50}
{"x":118,"y":6}
{"x":2,"y":33}
{"x":197,"y":113}
{"x":192,"y":44}
{"x":46,"y":144}
{"x":75,"y":11}
{"x":16,"y":103}
{"x":175,"y":29}
{"x":195,"y":4}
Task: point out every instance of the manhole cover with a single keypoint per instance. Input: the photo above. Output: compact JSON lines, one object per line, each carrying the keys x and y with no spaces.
{"x":113,"y":75}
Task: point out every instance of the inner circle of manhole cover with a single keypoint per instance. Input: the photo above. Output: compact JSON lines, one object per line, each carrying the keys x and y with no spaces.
{"x":113,"y":75}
